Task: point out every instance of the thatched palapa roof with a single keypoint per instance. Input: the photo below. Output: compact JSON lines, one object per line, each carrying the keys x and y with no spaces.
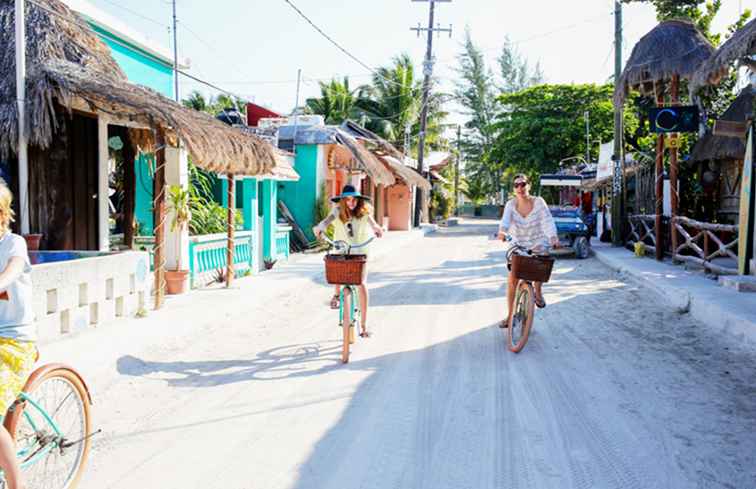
{"x":674,"y":47}
{"x":713,"y":147}
{"x":69,"y":66}
{"x":738,"y":47}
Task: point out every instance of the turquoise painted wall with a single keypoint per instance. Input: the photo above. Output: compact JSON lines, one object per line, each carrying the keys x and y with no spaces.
{"x":144,"y":69}
{"x":143,"y":200}
{"x":300,"y":197}
{"x":139,"y":66}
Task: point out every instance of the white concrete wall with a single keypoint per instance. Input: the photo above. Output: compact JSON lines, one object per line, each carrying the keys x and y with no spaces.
{"x":176,"y":241}
{"x":73,"y":295}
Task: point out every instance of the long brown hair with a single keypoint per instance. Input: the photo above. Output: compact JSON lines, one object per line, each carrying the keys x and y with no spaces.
{"x":361,"y":210}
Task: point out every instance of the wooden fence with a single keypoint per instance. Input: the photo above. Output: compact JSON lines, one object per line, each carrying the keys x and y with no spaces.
{"x":702,"y":246}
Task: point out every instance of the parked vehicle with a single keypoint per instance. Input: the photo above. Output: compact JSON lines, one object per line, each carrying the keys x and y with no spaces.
{"x":573,"y":230}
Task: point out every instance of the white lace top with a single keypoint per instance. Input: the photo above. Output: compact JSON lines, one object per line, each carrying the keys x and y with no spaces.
{"x":533,"y":231}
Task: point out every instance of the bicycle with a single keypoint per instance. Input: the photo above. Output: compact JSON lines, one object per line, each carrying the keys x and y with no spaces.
{"x":348,"y":271}
{"x":527,"y":269}
{"x":51,"y":424}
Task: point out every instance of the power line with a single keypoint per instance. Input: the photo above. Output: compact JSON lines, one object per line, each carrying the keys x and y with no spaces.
{"x":332,"y":41}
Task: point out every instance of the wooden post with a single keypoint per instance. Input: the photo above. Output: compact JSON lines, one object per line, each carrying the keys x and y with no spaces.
{"x":673,"y":167}
{"x":129,"y":185}
{"x":230,"y":224}
{"x":159,"y":217}
{"x":379,"y":210}
{"x":659,"y":181}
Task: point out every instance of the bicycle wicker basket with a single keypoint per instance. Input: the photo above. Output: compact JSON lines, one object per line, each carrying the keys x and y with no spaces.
{"x":345,"y":269}
{"x":532,"y":268}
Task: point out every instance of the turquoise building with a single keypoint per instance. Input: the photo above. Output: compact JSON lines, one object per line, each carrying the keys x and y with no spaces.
{"x":146,"y":62}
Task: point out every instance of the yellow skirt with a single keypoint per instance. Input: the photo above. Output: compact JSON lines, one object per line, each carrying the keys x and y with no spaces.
{"x":17,"y":359}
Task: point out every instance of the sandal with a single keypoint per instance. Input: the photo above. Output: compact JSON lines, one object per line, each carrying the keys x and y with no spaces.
{"x":335,"y":302}
{"x":365,"y":333}
{"x":504,"y":324}
{"x":540,"y":302}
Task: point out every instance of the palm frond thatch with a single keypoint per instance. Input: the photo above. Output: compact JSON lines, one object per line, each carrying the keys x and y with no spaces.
{"x":674,"y":47}
{"x":713,"y":147}
{"x":367,"y":160}
{"x":69,"y":67}
{"x":741,"y":45}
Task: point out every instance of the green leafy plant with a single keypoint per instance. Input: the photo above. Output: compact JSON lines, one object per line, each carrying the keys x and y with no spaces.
{"x":179,"y":202}
{"x":323,"y":208}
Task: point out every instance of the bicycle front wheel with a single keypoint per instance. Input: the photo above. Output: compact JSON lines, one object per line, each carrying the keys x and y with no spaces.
{"x":346,"y":323}
{"x":522,"y":318}
{"x":52,"y":429}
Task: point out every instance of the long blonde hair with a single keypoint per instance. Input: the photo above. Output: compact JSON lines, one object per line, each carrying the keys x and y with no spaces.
{"x":7,"y":216}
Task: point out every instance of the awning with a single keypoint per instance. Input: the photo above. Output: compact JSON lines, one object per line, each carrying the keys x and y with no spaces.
{"x":404,"y":172}
{"x":561,"y":180}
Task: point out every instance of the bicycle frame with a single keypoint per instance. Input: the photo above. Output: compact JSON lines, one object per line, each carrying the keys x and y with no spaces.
{"x":23,"y":397}
{"x":355,"y":304}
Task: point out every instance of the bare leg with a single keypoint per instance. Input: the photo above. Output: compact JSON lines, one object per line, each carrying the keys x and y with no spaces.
{"x":364,"y":300}
{"x":335,"y":298}
{"x":8,"y":461}
{"x":539,"y":294}
{"x":511,"y":287}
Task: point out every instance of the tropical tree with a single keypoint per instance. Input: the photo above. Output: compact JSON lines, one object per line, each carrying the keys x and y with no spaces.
{"x":544,"y":124}
{"x":212,"y":105}
{"x":337,"y":101}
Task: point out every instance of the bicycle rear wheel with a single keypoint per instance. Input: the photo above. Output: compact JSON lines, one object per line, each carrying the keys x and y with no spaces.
{"x":52,"y":428}
{"x":522,"y":318}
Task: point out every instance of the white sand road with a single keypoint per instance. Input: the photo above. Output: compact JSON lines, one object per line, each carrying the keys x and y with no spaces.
{"x":613,"y":390}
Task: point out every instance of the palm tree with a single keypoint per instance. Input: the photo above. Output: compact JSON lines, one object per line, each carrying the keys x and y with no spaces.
{"x":195,"y":101}
{"x":337,"y":102}
{"x":393,"y":102}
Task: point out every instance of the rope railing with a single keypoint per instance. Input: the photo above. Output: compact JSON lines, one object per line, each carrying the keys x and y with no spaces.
{"x":699,"y":245}
{"x":160,"y":218}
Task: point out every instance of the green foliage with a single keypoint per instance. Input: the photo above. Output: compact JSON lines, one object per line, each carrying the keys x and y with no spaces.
{"x":337,"y":102}
{"x":544,"y":124}
{"x":323,"y":208}
{"x":213,"y":105}
{"x":387,"y":106}
{"x":179,"y":201}
{"x":476,"y":188}
{"x":477,"y":90}
{"x":207,"y":216}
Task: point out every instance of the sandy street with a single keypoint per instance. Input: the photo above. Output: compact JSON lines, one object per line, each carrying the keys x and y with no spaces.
{"x":614,"y":390}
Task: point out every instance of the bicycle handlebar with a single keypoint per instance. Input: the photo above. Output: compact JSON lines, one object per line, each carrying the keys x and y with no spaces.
{"x":343,"y":245}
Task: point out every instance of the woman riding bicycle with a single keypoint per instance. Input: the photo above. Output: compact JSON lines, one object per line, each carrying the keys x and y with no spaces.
{"x":352,"y":220}
{"x":528,"y":221}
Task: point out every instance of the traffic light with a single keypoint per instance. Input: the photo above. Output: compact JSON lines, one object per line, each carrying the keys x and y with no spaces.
{"x":683,"y":118}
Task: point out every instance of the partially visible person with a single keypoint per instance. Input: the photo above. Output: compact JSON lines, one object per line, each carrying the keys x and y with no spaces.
{"x":352,"y":219}
{"x":528,"y":221}
{"x":18,"y":351}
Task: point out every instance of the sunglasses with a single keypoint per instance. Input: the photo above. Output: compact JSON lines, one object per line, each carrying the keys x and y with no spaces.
{"x":350,"y":229}
{"x":520,"y":184}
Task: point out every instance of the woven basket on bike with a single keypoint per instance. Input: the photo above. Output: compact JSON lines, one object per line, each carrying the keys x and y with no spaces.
{"x":345,"y":269}
{"x":531,"y":267}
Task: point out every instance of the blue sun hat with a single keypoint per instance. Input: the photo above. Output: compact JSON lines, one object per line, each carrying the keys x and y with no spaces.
{"x":349,"y":191}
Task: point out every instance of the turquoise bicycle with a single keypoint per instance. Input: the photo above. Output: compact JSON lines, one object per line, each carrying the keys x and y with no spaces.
{"x":348,"y":271}
{"x":51,"y":425}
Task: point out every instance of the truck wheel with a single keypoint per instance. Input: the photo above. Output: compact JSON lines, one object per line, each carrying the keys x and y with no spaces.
{"x":581,"y":247}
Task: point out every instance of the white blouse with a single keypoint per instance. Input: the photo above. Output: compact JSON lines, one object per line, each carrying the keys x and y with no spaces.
{"x":533,"y":231}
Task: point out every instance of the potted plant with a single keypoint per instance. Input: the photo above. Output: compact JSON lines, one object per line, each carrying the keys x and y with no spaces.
{"x":32,"y":241}
{"x":180,"y":204}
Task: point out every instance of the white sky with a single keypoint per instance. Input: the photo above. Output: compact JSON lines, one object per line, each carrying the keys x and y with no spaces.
{"x":254,"y":47}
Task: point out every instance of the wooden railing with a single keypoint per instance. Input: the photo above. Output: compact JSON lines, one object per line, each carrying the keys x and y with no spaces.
{"x":642,"y":230}
{"x":699,"y":244}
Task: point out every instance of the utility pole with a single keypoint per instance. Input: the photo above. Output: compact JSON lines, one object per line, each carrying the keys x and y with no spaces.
{"x":456,"y":170}
{"x":587,"y":116}
{"x":296,"y":111}
{"x":21,"y":149}
{"x":420,"y":200}
{"x":175,"y":55}
{"x":618,"y":157}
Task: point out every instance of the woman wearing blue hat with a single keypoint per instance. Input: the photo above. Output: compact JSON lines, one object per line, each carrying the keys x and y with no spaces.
{"x":352,"y":219}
